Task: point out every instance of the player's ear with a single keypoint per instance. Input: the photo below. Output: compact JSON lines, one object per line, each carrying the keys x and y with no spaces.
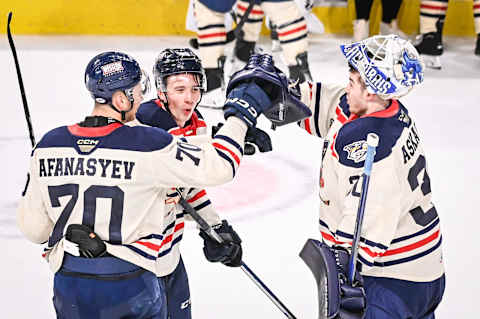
{"x":120,"y":101}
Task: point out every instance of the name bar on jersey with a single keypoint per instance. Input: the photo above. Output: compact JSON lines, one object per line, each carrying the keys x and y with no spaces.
{"x":79,"y":166}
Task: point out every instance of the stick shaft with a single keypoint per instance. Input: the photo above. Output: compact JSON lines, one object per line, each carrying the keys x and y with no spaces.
{"x":20,"y":82}
{"x":372,"y":142}
{"x":212,"y":233}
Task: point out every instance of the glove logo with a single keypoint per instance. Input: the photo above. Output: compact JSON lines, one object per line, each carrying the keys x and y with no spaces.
{"x":243,"y":104}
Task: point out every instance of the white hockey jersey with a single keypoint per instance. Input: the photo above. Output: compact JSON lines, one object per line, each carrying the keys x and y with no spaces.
{"x":115,"y":178}
{"x":153,"y":113}
{"x":401,"y":235}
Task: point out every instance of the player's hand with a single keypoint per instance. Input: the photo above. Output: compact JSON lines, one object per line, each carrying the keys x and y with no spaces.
{"x":255,"y":139}
{"x":352,"y":298}
{"x":88,"y":243}
{"x":229,"y":252}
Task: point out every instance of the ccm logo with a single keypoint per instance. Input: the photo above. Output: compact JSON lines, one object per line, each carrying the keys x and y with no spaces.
{"x":87,"y":142}
{"x":243,"y":104}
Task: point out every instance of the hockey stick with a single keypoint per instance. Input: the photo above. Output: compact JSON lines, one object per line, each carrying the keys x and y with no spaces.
{"x":372,"y":143}
{"x":237,"y":32}
{"x":211,"y":232}
{"x":20,"y":81}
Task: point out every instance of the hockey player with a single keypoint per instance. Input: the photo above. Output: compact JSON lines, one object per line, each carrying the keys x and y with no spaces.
{"x":400,"y":252}
{"x":180,"y":82}
{"x":290,"y":25}
{"x":96,"y":190}
{"x":432,"y":17}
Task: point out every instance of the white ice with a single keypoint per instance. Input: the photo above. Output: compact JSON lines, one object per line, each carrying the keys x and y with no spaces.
{"x":281,"y":187}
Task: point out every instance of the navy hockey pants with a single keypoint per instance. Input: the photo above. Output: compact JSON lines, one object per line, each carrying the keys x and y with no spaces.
{"x":106,"y":287}
{"x":177,"y":290}
{"x":399,"y":299}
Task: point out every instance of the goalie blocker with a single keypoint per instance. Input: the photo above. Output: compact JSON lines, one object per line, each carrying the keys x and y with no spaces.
{"x":337,"y":299}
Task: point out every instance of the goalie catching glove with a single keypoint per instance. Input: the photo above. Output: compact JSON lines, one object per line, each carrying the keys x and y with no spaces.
{"x":229,"y":252}
{"x":259,"y":88}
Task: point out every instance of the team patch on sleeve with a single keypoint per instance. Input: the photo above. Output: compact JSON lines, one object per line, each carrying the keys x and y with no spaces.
{"x":356,"y":151}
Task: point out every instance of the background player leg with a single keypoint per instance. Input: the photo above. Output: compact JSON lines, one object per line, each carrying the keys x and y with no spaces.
{"x":429,"y":42}
{"x":360,"y":25}
{"x":389,"y":24}
{"x":245,"y":45}
{"x":476,"y":20}
{"x":212,"y":37}
{"x":292,"y":34}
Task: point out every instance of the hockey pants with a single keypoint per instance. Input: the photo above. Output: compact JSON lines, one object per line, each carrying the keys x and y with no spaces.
{"x":177,"y":290}
{"x":399,"y":299}
{"x":106,"y":287}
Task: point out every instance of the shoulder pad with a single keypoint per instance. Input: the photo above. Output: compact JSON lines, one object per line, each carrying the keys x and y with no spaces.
{"x":58,"y":137}
{"x":350,"y":143}
{"x":149,"y":113}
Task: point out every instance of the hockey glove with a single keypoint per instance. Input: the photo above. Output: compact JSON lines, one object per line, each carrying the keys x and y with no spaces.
{"x":284,"y":105}
{"x":89,"y":244}
{"x":352,"y":298}
{"x":229,"y":252}
{"x":246,"y":101}
{"x":255,"y":137}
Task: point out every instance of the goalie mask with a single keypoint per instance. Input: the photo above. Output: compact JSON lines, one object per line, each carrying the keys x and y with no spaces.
{"x":389,"y":65}
{"x":177,"y":61}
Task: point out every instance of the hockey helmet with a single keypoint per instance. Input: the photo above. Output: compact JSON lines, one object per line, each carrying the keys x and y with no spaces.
{"x":109,"y":72}
{"x":177,"y":61}
{"x":389,"y":65}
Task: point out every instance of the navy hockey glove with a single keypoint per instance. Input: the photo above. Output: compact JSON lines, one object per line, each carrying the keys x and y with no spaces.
{"x":246,"y":101}
{"x":255,"y":137}
{"x":89,"y":244}
{"x":284,"y":105}
{"x":229,"y":252}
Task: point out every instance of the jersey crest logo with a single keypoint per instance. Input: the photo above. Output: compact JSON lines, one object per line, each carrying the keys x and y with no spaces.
{"x":357,"y":151}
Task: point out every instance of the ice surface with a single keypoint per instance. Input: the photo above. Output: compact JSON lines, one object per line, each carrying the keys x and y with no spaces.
{"x":272,"y":203}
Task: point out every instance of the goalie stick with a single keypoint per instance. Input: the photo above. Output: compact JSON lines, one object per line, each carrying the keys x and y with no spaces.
{"x":372,"y":143}
{"x":20,"y":81}
{"x":233,"y":34}
{"x":211,"y":232}
{"x":320,"y":259}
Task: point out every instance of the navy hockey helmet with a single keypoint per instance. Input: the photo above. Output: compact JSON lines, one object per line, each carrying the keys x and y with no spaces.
{"x":177,"y":61}
{"x":109,"y":72}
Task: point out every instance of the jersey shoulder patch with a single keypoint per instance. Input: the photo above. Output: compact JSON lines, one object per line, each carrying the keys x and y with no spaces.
{"x":350,"y":142}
